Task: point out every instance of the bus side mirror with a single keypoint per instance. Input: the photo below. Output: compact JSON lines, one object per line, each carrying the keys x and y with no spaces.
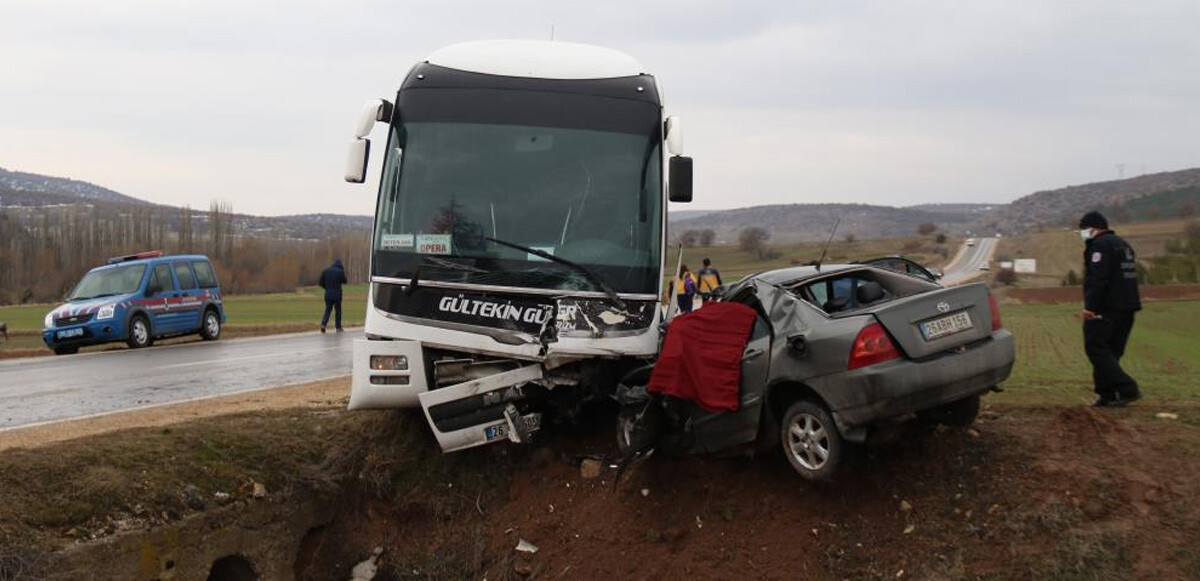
{"x":680,"y":180}
{"x":356,"y":160}
{"x":374,"y":111}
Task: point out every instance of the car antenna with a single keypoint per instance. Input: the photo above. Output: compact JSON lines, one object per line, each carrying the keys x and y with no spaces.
{"x":826,"y":248}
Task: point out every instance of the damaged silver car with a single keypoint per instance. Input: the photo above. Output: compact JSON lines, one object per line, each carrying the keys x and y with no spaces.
{"x":833,"y":352}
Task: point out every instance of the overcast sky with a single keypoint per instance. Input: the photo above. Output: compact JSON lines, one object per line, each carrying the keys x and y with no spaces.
{"x":874,"y":101}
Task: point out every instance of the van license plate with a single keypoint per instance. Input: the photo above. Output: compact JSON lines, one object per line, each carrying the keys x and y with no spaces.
{"x":937,"y":328}
{"x":69,"y":333}
{"x":500,"y":431}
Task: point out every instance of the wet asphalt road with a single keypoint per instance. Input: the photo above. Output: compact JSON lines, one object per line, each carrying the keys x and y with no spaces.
{"x":968,"y":264}
{"x":46,"y":389}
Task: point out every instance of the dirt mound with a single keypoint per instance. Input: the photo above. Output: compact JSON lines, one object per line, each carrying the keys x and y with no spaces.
{"x":1087,"y":427}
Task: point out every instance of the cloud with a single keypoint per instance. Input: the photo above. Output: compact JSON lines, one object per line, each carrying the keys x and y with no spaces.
{"x":871,"y":101}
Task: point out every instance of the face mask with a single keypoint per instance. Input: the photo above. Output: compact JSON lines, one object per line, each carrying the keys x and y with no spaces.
{"x":1086,"y":233}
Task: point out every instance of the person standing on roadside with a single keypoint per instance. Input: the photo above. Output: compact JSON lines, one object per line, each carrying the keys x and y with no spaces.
{"x":685,"y":289}
{"x":1110,"y":300}
{"x":710,"y":279}
{"x":332,"y":279}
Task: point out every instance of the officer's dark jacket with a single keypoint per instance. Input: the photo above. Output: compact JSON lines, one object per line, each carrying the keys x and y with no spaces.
{"x":1110,"y":275}
{"x":332,"y":279}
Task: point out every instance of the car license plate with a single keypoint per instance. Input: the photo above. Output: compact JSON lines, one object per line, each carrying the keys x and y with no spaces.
{"x":531,"y":422}
{"x":956,"y":323}
{"x":69,"y":333}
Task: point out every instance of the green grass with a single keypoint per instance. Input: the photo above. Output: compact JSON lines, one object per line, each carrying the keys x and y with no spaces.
{"x":1163,"y":353}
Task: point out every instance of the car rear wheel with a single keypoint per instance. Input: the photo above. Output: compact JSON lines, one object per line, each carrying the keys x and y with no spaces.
{"x":960,"y":413}
{"x":811,"y":441}
{"x":66,"y":350}
{"x":139,"y":333}
{"x":210,"y":326}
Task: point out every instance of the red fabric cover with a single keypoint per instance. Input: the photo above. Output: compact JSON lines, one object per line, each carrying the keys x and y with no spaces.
{"x":701,"y":359}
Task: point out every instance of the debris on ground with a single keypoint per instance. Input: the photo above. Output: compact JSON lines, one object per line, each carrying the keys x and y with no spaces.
{"x":1166,"y":416}
{"x":905,"y":506}
{"x":590,"y":468}
{"x":258,"y":490}
{"x":524,"y":546}
{"x":366,"y":570}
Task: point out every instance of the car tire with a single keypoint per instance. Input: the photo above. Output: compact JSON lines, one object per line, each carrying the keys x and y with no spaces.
{"x":66,"y":350}
{"x":638,"y":427}
{"x":139,"y":334}
{"x":811,"y":441}
{"x":960,"y":413}
{"x":210,"y":325}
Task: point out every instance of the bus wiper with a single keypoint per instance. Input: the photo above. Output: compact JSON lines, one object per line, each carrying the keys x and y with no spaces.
{"x":440,"y":263}
{"x":592,"y":278}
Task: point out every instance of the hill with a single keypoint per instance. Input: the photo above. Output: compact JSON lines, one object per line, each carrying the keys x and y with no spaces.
{"x":1064,"y":205}
{"x":811,"y":222}
{"x":24,"y":195}
{"x":20,"y":185}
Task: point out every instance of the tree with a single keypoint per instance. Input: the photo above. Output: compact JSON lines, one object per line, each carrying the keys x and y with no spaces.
{"x":754,"y":241}
{"x":927,"y":228}
{"x":688,"y":238}
{"x":850,"y":238}
{"x":707,"y":237}
{"x":941,"y":238}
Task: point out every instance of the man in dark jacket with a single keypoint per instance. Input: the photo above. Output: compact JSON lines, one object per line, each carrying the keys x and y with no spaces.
{"x":1110,"y":299}
{"x":332,"y":279}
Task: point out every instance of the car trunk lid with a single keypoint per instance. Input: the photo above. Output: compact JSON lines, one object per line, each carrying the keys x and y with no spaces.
{"x":939,"y":320}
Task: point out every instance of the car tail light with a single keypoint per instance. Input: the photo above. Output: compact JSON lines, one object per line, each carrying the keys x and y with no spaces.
{"x":871,"y":346}
{"x":992,"y":304}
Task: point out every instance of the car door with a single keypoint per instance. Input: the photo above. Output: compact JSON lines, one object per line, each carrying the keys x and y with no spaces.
{"x":159,"y":292}
{"x":186,"y":302}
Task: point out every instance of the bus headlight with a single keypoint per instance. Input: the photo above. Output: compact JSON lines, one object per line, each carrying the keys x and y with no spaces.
{"x":48,"y":322}
{"x":389,"y":362}
{"x":105,"y":312}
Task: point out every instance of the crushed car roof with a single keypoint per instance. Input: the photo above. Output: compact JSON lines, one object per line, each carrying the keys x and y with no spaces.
{"x":795,"y":273}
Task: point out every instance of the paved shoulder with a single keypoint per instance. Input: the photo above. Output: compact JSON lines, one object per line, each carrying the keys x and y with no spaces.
{"x":46,"y":389}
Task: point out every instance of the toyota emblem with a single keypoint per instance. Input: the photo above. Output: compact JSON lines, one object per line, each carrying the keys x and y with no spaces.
{"x":943,"y":307}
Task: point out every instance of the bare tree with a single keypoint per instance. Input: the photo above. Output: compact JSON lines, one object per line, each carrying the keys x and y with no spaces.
{"x":754,"y":241}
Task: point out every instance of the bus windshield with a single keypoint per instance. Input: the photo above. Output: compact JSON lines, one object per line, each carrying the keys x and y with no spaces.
{"x":574,"y":176}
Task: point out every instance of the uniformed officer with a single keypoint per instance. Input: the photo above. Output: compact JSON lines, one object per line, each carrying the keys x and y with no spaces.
{"x":1110,"y":299}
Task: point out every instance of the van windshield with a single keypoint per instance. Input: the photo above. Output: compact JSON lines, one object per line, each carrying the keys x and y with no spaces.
{"x":108,"y":281}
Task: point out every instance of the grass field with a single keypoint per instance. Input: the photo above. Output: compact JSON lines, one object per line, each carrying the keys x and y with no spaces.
{"x":1059,"y":251}
{"x":1163,"y":353}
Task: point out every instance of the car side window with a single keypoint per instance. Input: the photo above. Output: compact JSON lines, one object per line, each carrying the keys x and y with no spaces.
{"x":819,"y":293}
{"x":184,"y":273}
{"x":160,"y":280}
{"x":204,"y":274}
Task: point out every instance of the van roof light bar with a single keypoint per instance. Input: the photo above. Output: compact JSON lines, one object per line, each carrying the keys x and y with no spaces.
{"x":138,"y":256}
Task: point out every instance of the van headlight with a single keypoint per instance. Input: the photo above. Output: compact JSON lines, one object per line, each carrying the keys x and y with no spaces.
{"x":105,"y":312}
{"x":48,"y":322}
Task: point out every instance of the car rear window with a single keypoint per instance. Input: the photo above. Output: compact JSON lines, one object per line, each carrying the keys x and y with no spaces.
{"x":205,"y":275}
{"x":184,"y":274}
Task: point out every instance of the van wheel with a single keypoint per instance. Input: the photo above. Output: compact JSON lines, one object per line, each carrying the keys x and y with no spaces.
{"x":638,"y":427}
{"x":210,"y":326}
{"x":811,"y":441}
{"x":66,"y":350}
{"x":139,"y":333}
{"x":960,"y":413}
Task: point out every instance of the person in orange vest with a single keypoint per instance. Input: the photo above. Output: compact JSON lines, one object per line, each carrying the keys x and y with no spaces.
{"x":685,"y":289}
{"x":710,"y":279}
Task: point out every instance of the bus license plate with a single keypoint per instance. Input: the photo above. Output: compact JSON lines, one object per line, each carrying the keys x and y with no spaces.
{"x":69,"y":333}
{"x":956,"y":323}
{"x":500,"y":431}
